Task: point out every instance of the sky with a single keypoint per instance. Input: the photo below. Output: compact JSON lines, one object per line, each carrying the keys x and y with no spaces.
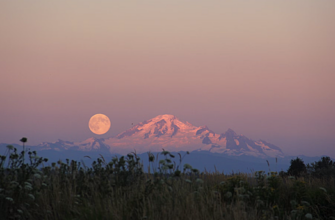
{"x":265,"y":69}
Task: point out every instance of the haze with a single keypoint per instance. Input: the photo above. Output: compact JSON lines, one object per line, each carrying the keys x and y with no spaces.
{"x":263,"y":68}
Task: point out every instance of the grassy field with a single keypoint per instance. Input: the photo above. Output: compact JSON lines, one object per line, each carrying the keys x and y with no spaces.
{"x":120,"y":189}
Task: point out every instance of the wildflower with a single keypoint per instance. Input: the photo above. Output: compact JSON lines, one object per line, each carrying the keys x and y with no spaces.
{"x":31,"y":196}
{"x":24,"y":140}
{"x":308,"y":216}
{"x":300,"y":207}
{"x":195,"y":170}
{"x":151,"y":157}
{"x":165,"y":152}
{"x":177,"y":173}
{"x":188,"y":181}
{"x":305,"y":203}
{"x":187,"y":166}
{"x":28,"y":187}
{"x":10,"y":147}
{"x":10,"y":199}
{"x":228,"y":195}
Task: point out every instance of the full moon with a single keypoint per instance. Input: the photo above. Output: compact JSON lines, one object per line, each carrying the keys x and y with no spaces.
{"x":99,"y":124}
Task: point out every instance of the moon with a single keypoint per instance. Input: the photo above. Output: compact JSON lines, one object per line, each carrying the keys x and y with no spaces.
{"x":99,"y":124}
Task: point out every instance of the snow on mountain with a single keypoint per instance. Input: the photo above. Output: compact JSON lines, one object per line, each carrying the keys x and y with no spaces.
{"x":232,"y":144}
{"x":58,"y":145}
{"x":163,"y":131}
{"x":169,"y":133}
{"x":86,"y":145}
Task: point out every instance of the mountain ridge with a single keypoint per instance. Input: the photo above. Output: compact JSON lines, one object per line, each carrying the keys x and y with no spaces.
{"x":168,"y":132}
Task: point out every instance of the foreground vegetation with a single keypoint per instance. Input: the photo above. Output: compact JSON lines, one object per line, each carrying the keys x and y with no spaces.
{"x":119,"y":189}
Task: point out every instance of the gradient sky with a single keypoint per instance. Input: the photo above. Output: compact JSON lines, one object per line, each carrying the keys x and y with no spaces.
{"x":264,"y":68}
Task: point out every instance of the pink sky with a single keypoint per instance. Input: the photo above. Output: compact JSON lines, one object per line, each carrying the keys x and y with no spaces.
{"x":263,"y":68}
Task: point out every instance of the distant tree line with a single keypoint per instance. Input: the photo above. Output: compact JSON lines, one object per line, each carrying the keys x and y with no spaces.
{"x":324,"y":168}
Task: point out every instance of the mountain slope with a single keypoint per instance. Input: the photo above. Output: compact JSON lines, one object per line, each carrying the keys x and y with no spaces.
{"x":169,"y":133}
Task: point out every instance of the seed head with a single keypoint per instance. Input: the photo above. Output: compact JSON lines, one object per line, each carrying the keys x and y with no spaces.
{"x":24,"y":140}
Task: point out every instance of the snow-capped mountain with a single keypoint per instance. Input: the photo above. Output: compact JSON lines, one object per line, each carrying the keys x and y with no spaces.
{"x":169,"y":133}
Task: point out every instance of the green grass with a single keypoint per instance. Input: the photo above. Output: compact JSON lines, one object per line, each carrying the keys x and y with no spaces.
{"x":120,"y":189}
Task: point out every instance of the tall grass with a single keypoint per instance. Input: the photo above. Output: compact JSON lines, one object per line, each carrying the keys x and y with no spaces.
{"x":120,"y":189}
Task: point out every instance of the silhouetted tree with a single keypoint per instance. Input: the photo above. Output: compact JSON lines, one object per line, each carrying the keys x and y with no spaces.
{"x":297,"y":167}
{"x":324,"y":163}
{"x":324,"y":168}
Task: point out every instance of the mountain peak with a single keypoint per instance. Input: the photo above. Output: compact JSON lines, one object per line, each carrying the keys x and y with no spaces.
{"x":230,"y":132}
{"x":166,"y":117}
{"x":91,"y":139}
